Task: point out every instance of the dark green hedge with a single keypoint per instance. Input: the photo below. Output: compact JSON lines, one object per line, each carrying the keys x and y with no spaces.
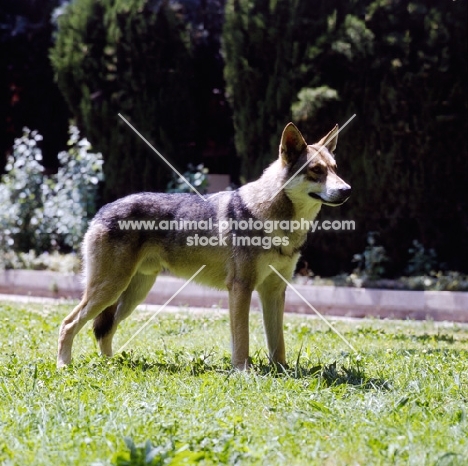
{"x":401,"y":67}
{"x":131,"y":57}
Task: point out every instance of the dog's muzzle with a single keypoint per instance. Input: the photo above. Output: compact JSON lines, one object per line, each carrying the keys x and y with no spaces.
{"x":338,"y":197}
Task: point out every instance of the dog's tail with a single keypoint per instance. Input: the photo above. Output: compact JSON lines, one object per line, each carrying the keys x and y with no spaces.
{"x":104,"y":322}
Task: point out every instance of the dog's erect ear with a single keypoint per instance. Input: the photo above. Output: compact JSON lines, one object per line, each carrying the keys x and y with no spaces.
{"x":292,"y":144}
{"x":330,"y":140}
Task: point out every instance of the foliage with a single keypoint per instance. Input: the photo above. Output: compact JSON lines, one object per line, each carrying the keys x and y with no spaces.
{"x":394,"y":402}
{"x":422,"y":261}
{"x":39,"y":212}
{"x":403,"y":74}
{"x":440,"y":281}
{"x":70,"y":200}
{"x":148,"y":454}
{"x":264,"y":46}
{"x":401,"y":67}
{"x":54,"y":261}
{"x":196,"y":176}
{"x":437,"y":281}
{"x":371,"y":263}
{"x":311,"y":101}
{"x":21,"y":193}
{"x":134,"y":58}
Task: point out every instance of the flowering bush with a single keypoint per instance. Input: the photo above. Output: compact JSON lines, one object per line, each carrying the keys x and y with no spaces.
{"x":40,"y":212}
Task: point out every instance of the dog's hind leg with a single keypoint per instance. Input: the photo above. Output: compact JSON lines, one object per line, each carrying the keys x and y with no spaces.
{"x":97,"y":297}
{"x":105,"y":324}
{"x":272,"y":294}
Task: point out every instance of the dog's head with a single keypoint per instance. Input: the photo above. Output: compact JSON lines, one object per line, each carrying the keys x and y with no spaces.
{"x":312,"y":168}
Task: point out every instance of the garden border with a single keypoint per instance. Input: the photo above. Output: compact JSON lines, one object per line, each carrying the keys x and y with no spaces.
{"x":329,"y":300}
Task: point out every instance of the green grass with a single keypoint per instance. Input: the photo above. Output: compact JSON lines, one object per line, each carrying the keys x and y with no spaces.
{"x":402,"y":400}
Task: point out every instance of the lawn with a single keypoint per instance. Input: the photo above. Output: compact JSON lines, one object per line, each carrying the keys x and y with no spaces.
{"x":403,"y":399}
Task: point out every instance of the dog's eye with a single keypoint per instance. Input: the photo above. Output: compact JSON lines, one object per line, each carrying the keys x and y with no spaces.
{"x":318,"y":170}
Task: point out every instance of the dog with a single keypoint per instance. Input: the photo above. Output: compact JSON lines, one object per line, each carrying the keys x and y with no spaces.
{"x":121,"y":263}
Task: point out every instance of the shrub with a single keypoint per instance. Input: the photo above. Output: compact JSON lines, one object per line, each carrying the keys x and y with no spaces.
{"x":69,"y":198}
{"x":422,"y":261}
{"x":21,"y":194}
{"x":55,"y":261}
{"x":196,"y":176}
{"x":371,"y":263}
{"x":39,"y":212}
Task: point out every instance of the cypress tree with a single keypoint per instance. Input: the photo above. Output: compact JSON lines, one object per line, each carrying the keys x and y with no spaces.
{"x":401,"y":67}
{"x":265,"y":43}
{"x":131,"y":57}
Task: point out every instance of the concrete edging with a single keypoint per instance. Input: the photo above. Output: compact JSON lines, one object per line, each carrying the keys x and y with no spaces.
{"x":329,"y":300}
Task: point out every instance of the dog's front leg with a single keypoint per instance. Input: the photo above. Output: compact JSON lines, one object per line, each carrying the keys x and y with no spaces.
{"x":272,"y":294}
{"x":239,"y":305}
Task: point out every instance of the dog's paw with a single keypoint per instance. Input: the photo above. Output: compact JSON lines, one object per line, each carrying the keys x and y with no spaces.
{"x":61,"y":364}
{"x":244,"y":366}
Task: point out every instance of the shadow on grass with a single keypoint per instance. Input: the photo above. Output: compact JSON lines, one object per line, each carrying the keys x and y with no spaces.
{"x":426,"y":337}
{"x":423,"y":352}
{"x":329,"y":375}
